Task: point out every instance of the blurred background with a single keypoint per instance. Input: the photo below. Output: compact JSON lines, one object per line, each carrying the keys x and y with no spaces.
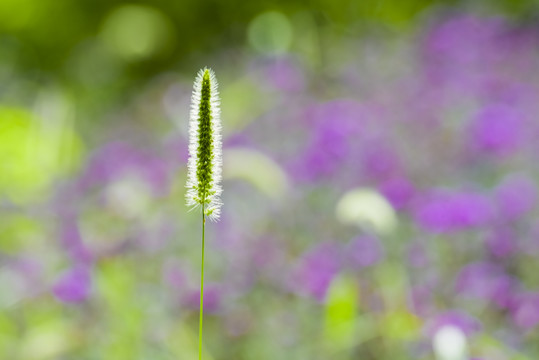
{"x":380,"y":180}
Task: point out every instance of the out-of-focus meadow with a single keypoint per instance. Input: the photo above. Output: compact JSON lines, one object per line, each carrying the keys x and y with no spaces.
{"x":381,"y":169}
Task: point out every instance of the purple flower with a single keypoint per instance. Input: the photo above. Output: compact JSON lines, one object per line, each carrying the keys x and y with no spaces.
{"x":501,"y":90}
{"x":364,"y":251}
{"x":380,"y":160}
{"x":497,"y":129}
{"x":461,"y":50}
{"x":486,"y":281}
{"x":515,"y":197}
{"x":465,"y":322}
{"x":71,"y":240}
{"x":462,"y":40}
{"x":501,"y":242}
{"x":316,"y":270}
{"x":448,"y":211}
{"x":334,"y":126}
{"x":118,"y":160}
{"x":525,"y":310}
{"x":74,"y":285}
{"x":399,"y":191}
{"x":212,"y":298}
{"x":284,"y":75}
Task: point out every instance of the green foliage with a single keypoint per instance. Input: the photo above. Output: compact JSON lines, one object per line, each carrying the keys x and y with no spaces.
{"x":124,"y":316}
{"x":8,"y":336}
{"x":341,"y":315}
{"x":18,"y":233}
{"x":33,"y":154}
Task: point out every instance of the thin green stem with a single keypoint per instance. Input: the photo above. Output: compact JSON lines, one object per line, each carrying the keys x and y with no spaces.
{"x":201,"y":291}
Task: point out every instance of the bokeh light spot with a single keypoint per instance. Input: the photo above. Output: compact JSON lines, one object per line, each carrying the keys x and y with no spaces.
{"x":366,"y":208}
{"x":450,"y":344}
{"x":257,"y":169}
{"x":135,"y":32}
{"x":242,"y":102}
{"x":270,"y":33}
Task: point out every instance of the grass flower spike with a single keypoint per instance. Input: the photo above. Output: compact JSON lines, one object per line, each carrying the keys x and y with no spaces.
{"x":205,"y":154}
{"x":205,"y":161}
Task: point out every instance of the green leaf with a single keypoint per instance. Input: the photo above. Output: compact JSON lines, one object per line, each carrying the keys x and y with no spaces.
{"x":33,"y":153}
{"x":341,"y":314}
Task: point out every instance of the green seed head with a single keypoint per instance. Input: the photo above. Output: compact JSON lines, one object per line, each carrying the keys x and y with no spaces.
{"x":205,"y":161}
